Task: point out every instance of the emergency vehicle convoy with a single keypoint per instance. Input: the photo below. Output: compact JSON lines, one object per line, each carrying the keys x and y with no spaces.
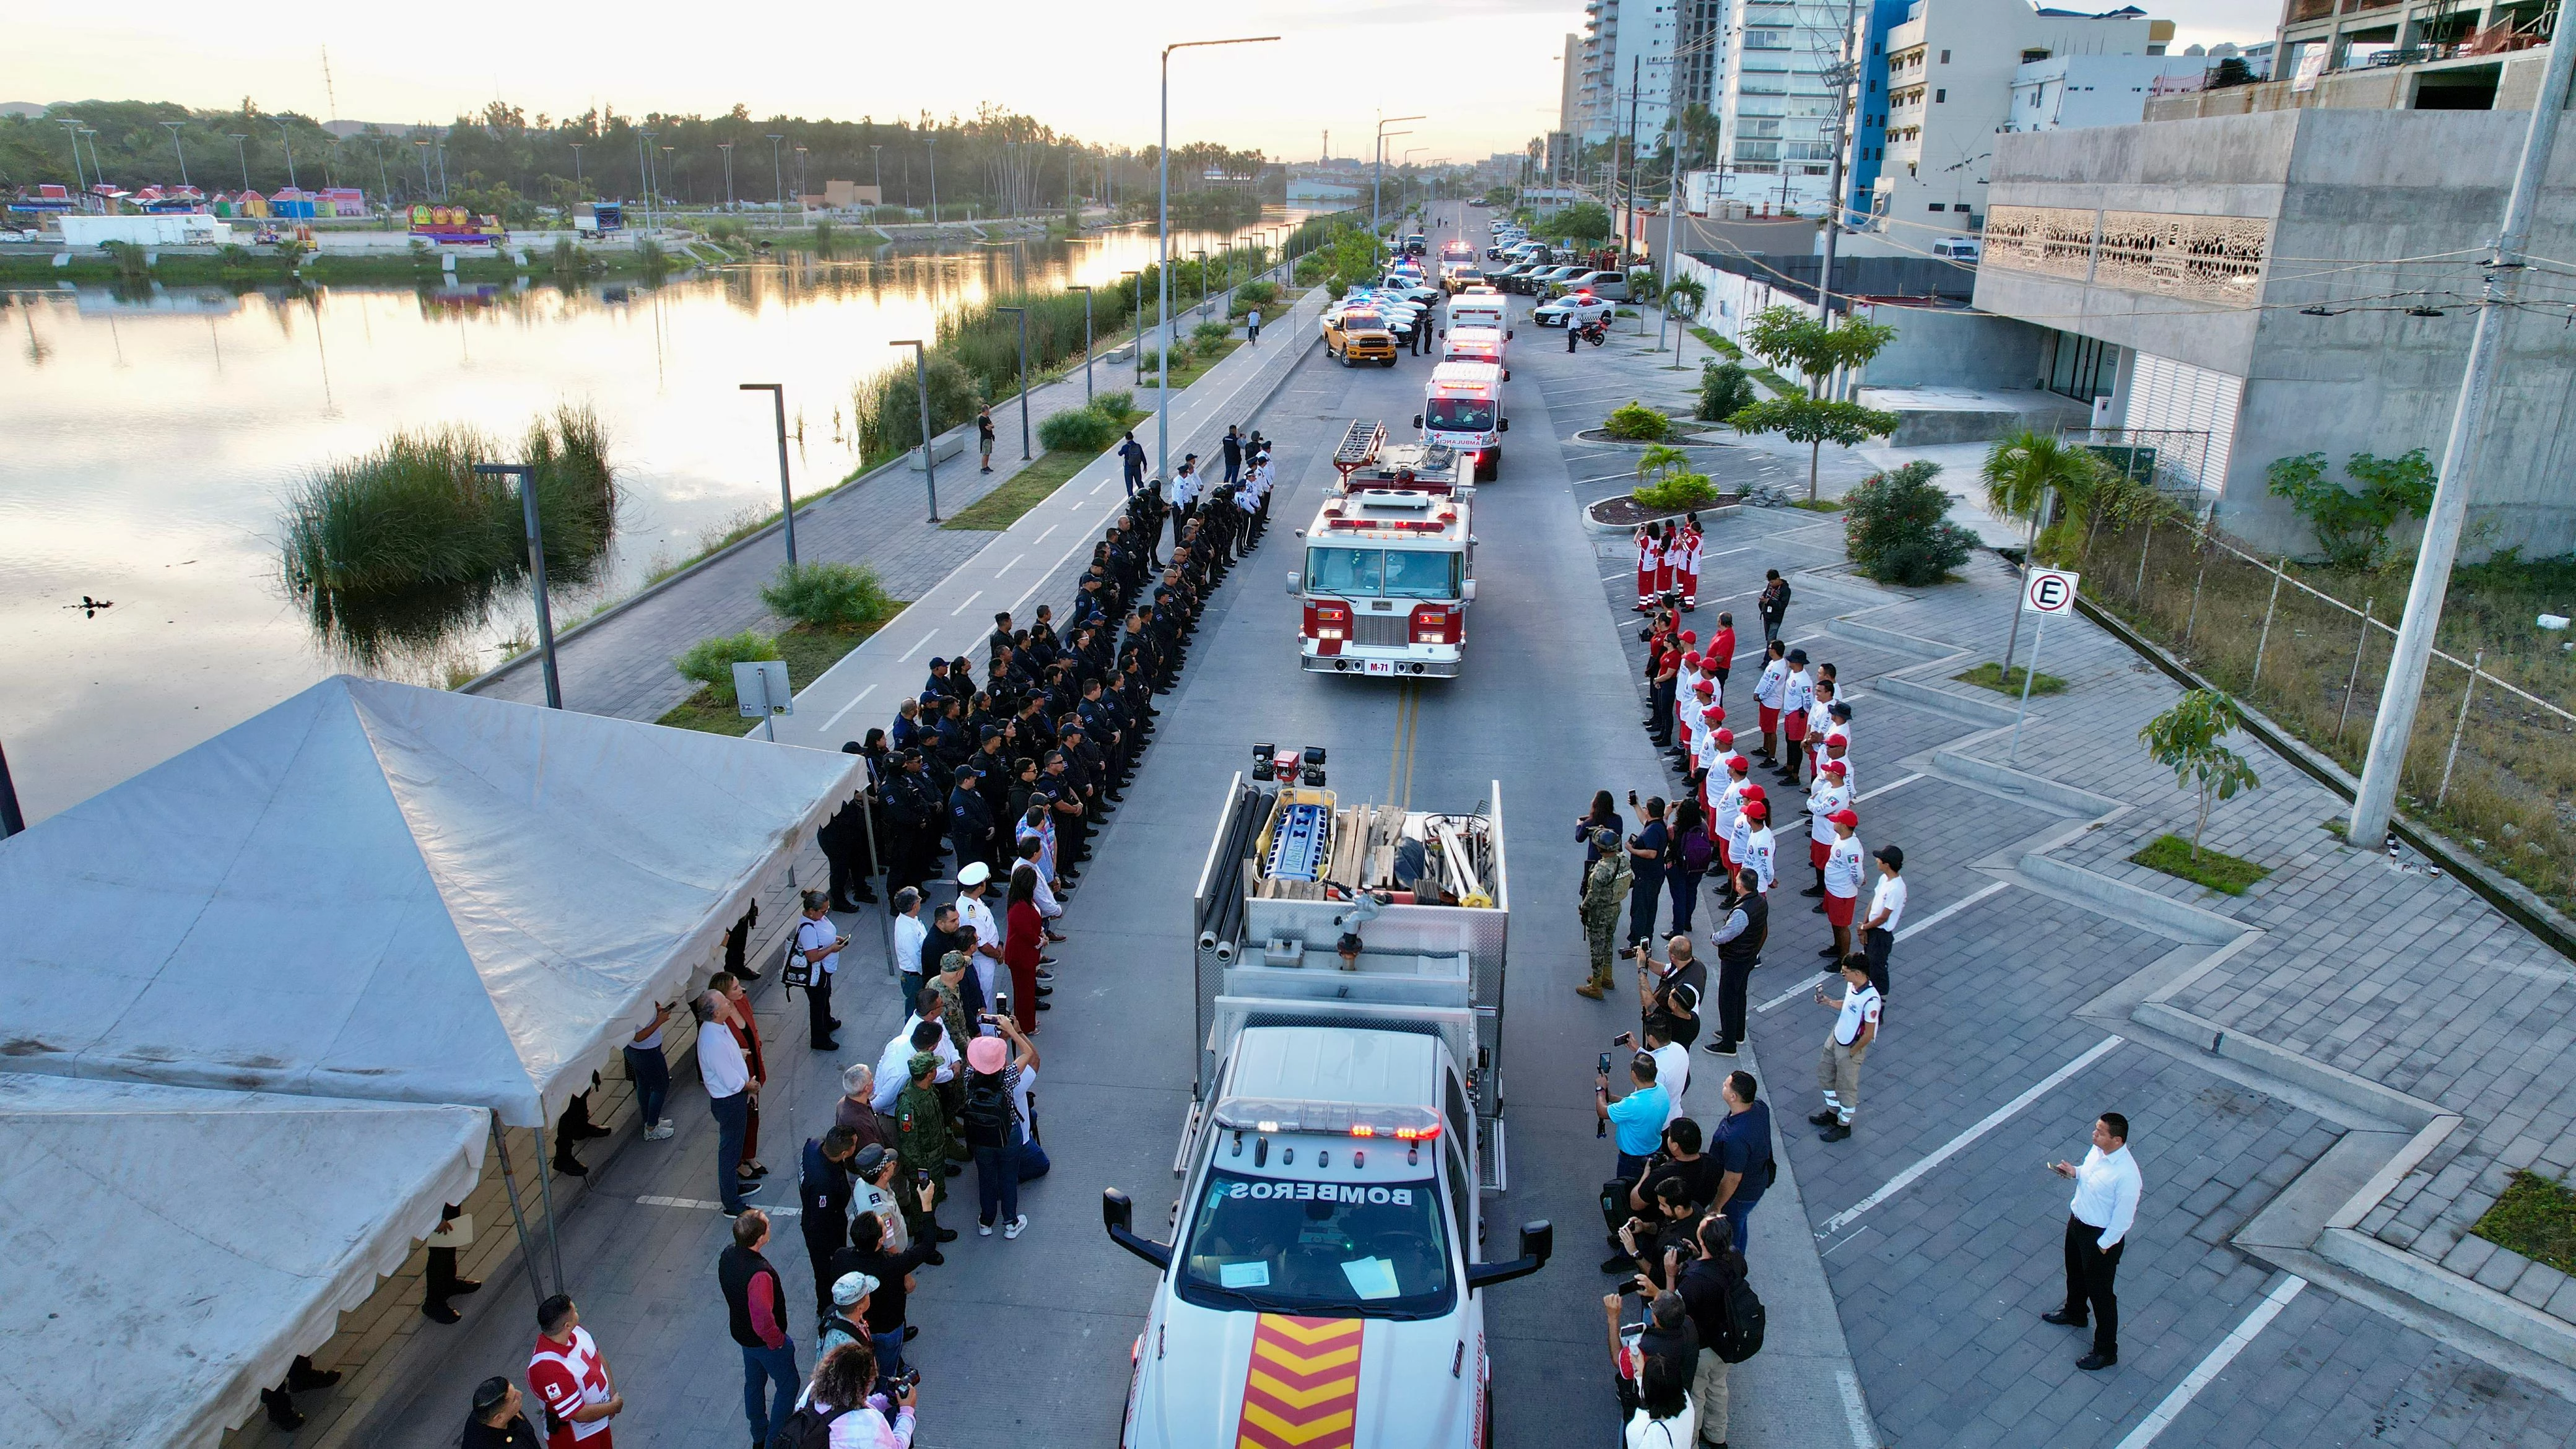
{"x":1325,"y":1276}
{"x":1462,"y":409}
{"x":1390,"y":560}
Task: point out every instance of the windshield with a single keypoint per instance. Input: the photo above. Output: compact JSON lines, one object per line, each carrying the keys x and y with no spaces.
{"x":1460,"y":414}
{"x":1374,"y":573}
{"x":1355,"y":321}
{"x":1339,"y":1248}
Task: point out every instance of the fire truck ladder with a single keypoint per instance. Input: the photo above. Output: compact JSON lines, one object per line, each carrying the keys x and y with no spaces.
{"x":1360,"y":443}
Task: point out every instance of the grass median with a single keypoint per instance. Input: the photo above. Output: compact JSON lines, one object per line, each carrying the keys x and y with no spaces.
{"x":809,"y":651}
{"x":1029,"y":487}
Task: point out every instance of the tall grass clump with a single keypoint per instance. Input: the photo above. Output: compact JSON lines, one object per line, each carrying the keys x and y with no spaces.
{"x":827,"y":595}
{"x":710,"y":661}
{"x":1080,"y":430}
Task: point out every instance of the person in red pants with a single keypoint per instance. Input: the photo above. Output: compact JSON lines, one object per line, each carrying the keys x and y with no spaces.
{"x":1022,"y":942}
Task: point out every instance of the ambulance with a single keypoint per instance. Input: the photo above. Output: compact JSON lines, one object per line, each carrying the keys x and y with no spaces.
{"x":1325,"y":1278}
{"x":1472,"y":344}
{"x":1462,"y":410}
{"x":1389,"y":563}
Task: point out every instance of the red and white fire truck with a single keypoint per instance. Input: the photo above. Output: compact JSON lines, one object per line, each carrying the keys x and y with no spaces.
{"x":1390,"y":561}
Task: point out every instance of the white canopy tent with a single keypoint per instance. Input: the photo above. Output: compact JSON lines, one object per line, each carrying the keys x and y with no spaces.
{"x":385,"y":892}
{"x":172,"y":1250}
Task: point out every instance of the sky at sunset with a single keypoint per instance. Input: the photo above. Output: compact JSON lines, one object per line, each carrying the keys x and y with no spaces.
{"x":1484,"y":71}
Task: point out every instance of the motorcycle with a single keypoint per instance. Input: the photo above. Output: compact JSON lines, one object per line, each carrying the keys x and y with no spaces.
{"x":1596,"y":331}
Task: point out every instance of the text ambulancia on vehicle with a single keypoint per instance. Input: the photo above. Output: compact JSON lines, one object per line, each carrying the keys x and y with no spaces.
{"x":1324,"y":1282}
{"x":1389,"y":566}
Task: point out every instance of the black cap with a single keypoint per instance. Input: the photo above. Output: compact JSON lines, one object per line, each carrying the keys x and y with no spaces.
{"x":1797,"y":656}
{"x":1892,"y":855}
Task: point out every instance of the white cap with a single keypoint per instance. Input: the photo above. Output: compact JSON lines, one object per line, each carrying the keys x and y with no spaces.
{"x":849,"y":1288}
{"x":975,"y":874}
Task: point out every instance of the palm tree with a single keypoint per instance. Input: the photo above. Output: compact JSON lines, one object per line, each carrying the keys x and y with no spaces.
{"x":2021,"y":471}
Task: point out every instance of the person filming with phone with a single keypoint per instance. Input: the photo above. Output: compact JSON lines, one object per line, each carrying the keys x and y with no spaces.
{"x":821,"y":944}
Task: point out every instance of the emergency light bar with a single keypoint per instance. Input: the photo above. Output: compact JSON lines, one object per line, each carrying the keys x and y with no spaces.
{"x":1341,"y":1119}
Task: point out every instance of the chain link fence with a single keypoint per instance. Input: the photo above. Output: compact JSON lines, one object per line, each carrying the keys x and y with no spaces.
{"x":2491,"y":763}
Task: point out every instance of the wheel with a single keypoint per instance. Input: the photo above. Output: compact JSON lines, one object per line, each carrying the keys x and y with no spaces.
{"x":1390,"y":362}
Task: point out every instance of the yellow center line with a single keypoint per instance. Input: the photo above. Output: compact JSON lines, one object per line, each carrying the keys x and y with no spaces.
{"x":1412,"y":733}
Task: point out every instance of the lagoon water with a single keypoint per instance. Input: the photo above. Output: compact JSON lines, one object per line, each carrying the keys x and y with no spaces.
{"x":150,"y":440}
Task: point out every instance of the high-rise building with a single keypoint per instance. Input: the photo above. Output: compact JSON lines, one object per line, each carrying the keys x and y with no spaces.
{"x":1777,"y":103}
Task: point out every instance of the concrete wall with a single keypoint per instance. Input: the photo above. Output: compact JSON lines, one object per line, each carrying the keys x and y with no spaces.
{"x":1953,"y":347}
{"x":2344,"y":192}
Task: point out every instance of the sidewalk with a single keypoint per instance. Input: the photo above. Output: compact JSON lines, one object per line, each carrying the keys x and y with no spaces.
{"x":619,"y":663}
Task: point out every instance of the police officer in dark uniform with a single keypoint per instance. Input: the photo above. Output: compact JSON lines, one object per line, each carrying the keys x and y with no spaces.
{"x":970,"y":820}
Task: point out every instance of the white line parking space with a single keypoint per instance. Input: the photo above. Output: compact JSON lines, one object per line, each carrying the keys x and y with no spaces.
{"x":2215,"y":1364}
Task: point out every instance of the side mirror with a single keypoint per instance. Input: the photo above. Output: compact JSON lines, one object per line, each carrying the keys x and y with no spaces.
{"x":1417,"y":420}
{"x":1507,"y":334}
{"x":1470,"y":592}
{"x":1292,"y":583}
{"x":1118,"y":1215}
{"x":1538,"y":1241}
{"x":1503,"y":425}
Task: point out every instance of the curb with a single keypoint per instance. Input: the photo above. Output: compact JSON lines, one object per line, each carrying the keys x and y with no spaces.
{"x":1628,"y":530}
{"x":1958,"y":706}
{"x":2168,"y":917}
{"x":2440,"y":1288}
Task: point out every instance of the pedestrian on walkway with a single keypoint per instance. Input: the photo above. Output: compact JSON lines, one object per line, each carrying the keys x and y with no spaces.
{"x":1648,"y":854}
{"x":570,"y":1376}
{"x":1720,"y":653}
{"x":1649,"y":550}
{"x":1693,"y":852}
{"x":1773,"y":605}
{"x":1828,"y":796}
{"x":1605,"y":888}
{"x":984,"y":436}
{"x":1571,"y":334}
{"x":1637,"y":1119}
{"x":1754,"y":862}
{"x":440,"y":1281}
{"x":729,"y":1091}
{"x":1742,"y":1147}
{"x":1738,"y":940}
{"x":847,"y":844}
{"x":301,"y":1375}
{"x":1185,"y":497}
{"x":2097,"y":1228}
{"x":1686,"y":563}
{"x":1668,"y":998}
{"x":910,"y":933}
{"x":820,"y":943}
{"x":1025,"y":948}
{"x":756,"y":1310}
{"x":823,"y":1191}
{"x":922,"y":1142}
{"x":1846,"y":1047}
{"x":746,"y":1034}
{"x":975,"y":914}
{"x":1707,"y":1284}
{"x":650,"y":1071}
{"x":1886,"y":909}
{"x":845,"y":1313}
{"x":497,"y":1421}
{"x":1797,"y":697}
{"x":874,"y":1252}
{"x":1131,"y":458}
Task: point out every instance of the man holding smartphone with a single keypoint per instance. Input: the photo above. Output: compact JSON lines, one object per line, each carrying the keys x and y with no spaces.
{"x":821,"y":943}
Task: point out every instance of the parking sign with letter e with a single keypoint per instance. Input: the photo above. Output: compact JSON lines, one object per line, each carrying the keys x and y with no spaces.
{"x":2049,"y":591}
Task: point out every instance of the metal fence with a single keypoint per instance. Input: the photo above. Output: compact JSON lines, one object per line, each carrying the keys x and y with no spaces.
{"x":2491,"y":763}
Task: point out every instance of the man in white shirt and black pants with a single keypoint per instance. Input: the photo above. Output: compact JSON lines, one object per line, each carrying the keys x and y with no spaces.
{"x":820,"y":943}
{"x":1886,"y":909}
{"x":2097,"y":1228}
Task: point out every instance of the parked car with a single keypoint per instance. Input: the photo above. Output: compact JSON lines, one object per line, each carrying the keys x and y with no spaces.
{"x":1543,"y":282}
{"x":1574,"y":308}
{"x":1613,"y":285}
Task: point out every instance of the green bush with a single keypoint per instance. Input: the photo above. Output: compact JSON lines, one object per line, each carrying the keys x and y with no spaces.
{"x":1723,"y":389}
{"x":1149,"y":360}
{"x":1079,"y":430}
{"x":1638,"y":423}
{"x":710,"y":661}
{"x":888,"y":404}
{"x":1210,"y":335}
{"x":827,"y":595}
{"x":1116,"y":403}
{"x":1897,"y":529}
{"x":2352,"y":525}
{"x":1257,"y":294}
{"x":1676,"y":491}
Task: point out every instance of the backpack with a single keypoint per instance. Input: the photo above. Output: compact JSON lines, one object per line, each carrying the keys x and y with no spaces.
{"x":1697,"y":849}
{"x":807,"y":1428}
{"x":988,"y":1109}
{"x":1740,"y":1336}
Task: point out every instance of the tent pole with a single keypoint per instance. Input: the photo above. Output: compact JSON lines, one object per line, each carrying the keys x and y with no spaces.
{"x":546,"y":1190}
{"x":510,"y":1182}
{"x":877,"y":866}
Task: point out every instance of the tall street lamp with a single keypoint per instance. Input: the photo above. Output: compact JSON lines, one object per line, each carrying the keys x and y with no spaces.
{"x":727,"y":148}
{"x":1085,"y":290}
{"x":786,"y":496}
{"x":1163,"y":238}
{"x":176,"y":148}
{"x":877,"y":153}
{"x":285,"y":138}
{"x":930,"y":141}
{"x":1023,"y":314}
{"x":1201,"y":254}
{"x":576,"y":163}
{"x":777,"y":177}
{"x":1377,"y":180}
{"x":1140,"y":324}
{"x":424,"y":167}
{"x":527,"y":477}
{"x":921,"y":379}
{"x":80,"y":176}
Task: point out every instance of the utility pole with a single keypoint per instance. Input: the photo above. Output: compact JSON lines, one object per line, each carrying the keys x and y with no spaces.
{"x":1843,"y":74}
{"x":777,"y":177}
{"x":174,"y":146}
{"x":2395,"y":723}
{"x":1636,"y":93}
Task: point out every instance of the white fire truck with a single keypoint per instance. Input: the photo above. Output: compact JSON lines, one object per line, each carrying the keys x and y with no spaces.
{"x":1327,"y":1266}
{"x":1390,"y":562}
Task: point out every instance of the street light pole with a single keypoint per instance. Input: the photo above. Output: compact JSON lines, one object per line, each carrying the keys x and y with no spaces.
{"x":877,"y":153}
{"x":80,"y":176}
{"x":1377,"y":179}
{"x":1085,"y":290}
{"x":284,"y":138}
{"x":786,"y":496}
{"x":1024,"y":378}
{"x":921,"y":378}
{"x":727,"y":148}
{"x":1140,"y":324}
{"x":1163,"y":252}
{"x":931,"y":141}
{"x":1201,"y":254}
{"x":527,"y":477}
{"x":576,"y":163}
{"x":242,"y":156}
{"x":777,"y":177}
{"x":2394,"y":725}
{"x":178,"y":150}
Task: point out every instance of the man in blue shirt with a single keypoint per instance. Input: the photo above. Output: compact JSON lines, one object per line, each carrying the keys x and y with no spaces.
{"x":1742,"y":1147}
{"x":1637,"y":1119}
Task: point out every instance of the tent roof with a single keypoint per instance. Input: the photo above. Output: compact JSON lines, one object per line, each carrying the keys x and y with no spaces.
{"x":380,"y":891}
{"x":171,"y":1250}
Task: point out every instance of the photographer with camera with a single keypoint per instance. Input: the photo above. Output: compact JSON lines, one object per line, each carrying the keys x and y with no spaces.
{"x":853,"y":1405}
{"x":1637,"y":1120}
{"x":889,"y":1271}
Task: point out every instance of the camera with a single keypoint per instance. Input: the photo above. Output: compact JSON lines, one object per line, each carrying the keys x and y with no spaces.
{"x":1604,"y":1068}
{"x":1623,"y":1039}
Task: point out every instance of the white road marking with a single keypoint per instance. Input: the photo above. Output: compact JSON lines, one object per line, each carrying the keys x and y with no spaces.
{"x":1005,"y":570}
{"x":1964,"y":1140}
{"x":1041,"y":538}
{"x":1043,"y":576}
{"x":1952,"y":909}
{"x":705,"y":1206}
{"x":1801,"y":989}
{"x":915,"y":649}
{"x":961,"y":607}
{"x":1899,"y":781}
{"x":1103,"y":483}
{"x":1856,"y":1410}
{"x":845,"y":709}
{"x":2215,"y":1364}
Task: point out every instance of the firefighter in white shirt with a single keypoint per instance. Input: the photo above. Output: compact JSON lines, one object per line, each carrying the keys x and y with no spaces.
{"x":1712,"y":672}
{"x":1754,"y":863}
{"x":1838,"y":1066}
{"x":1690,"y":699}
{"x":1830,"y":795}
{"x":1842,"y":884}
{"x":1708,"y":751}
{"x":1686,"y":564}
{"x":1820,"y":723}
{"x":1728,"y":813}
{"x":1797,"y":696}
{"x":1767,"y":693}
{"x":1649,"y":550}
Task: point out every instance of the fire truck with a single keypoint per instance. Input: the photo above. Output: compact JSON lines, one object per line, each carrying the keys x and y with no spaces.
{"x":1390,"y":561}
{"x":1327,"y":1265}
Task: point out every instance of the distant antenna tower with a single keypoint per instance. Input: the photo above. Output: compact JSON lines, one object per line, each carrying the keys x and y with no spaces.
{"x":330,"y":92}
{"x":1328,"y":145}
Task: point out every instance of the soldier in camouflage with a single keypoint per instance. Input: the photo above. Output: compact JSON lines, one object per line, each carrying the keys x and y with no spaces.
{"x":1604,"y":890}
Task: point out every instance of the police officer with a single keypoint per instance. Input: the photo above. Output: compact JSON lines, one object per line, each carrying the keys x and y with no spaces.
{"x":1604,"y":891}
{"x":970,"y":820}
{"x":1131,"y":456}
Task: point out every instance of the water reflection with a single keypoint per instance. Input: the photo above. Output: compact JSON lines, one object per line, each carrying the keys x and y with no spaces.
{"x":152,"y":433}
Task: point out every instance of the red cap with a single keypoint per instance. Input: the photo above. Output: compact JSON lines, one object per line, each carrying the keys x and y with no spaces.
{"x":1834,"y":767}
{"x":1705,"y":686}
{"x":1843,"y":817}
{"x":1756,"y":810}
{"x":1726,"y":737}
{"x":1833,"y":740}
{"x":1713,"y":714}
{"x":1739,"y":764}
{"x":1690,"y":636}
{"x":1691,"y":658}
{"x":1753,"y":793}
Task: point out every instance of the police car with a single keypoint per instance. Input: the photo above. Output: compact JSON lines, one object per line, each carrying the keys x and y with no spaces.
{"x":1574,"y":309}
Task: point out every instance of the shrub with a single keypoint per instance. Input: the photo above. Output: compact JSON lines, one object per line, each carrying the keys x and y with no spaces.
{"x":710,"y":661}
{"x":1896,"y":526}
{"x":1116,"y":403}
{"x":888,"y":405}
{"x":1336,"y":288}
{"x":1638,"y":423}
{"x":2352,"y":524}
{"x":1079,"y":430}
{"x":1149,"y":360}
{"x":1210,"y":335}
{"x":1258,"y":294}
{"x":826,"y":595}
{"x":1676,"y":491}
{"x":1723,"y":390}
